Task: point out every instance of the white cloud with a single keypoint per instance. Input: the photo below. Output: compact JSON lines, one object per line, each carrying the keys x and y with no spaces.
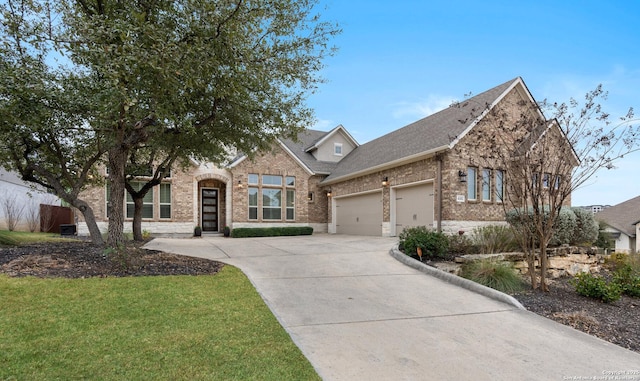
{"x":421,"y":108}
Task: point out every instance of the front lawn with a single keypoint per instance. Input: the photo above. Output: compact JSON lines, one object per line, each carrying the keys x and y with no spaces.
{"x":143,"y":328}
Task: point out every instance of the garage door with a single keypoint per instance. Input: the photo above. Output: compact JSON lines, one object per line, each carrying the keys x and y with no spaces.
{"x":359,"y":215}
{"x":414,"y":206}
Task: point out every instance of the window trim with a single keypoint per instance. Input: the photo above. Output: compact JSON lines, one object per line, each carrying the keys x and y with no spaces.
{"x":256,"y":206}
{"x":293,"y":204}
{"x":270,"y":207}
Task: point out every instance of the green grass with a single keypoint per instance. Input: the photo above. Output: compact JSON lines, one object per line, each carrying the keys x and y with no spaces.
{"x":143,"y":328}
{"x":495,"y":274}
{"x":23,"y":238}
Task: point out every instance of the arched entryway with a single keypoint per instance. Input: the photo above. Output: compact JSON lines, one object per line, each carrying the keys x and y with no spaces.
{"x":213,"y":199}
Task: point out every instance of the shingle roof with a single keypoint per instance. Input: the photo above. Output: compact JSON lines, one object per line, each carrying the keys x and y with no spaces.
{"x":622,"y":216}
{"x":306,"y":139}
{"x":428,"y":134}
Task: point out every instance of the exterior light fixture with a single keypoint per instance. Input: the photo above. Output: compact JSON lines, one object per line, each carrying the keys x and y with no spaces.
{"x":385,"y":181}
{"x":462,"y":175}
{"x":329,"y":193}
{"x":240,"y":184}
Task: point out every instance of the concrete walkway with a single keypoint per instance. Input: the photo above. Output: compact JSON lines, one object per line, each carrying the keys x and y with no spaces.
{"x":357,"y":313}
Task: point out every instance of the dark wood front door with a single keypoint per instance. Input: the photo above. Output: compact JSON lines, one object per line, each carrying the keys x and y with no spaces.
{"x":209,"y":210}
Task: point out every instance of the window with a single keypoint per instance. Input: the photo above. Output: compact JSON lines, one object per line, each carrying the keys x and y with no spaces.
{"x":252,"y":179}
{"x":272,"y":180}
{"x":290,"y":181}
{"x":311,"y":196}
{"x":337,"y":149}
{"x":499,"y":185}
{"x":472,"y":183}
{"x":546,"y":178}
{"x":253,"y":203}
{"x":147,"y":201}
{"x":534,"y":180}
{"x":165,"y":200}
{"x":486,"y":184}
{"x":271,"y":204}
{"x":556,"y":184}
{"x":291,"y":197}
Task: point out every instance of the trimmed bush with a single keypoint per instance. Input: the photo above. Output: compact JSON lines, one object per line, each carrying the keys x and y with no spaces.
{"x":587,"y":228}
{"x":432,"y":243}
{"x":495,"y":274}
{"x":271,"y":232}
{"x":572,"y":226}
{"x":592,"y":286}
{"x":493,"y":239}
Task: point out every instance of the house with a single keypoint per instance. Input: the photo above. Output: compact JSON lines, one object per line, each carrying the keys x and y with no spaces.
{"x":623,"y":224}
{"x":427,"y":173}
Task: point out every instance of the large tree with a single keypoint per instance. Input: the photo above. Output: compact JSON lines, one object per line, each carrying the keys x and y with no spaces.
{"x":545,"y":159}
{"x":208,"y":73}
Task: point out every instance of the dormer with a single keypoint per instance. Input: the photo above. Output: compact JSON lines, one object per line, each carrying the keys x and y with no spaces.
{"x":333,"y":146}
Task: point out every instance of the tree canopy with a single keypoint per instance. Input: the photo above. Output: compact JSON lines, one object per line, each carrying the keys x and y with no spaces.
{"x":105,"y":77}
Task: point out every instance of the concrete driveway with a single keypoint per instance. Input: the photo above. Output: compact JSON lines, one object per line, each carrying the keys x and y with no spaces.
{"x":357,"y":313}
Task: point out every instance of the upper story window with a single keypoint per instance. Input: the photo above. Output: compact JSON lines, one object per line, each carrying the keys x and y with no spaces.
{"x":290,"y":181}
{"x":252,"y":179}
{"x":337,"y":149}
{"x":272,"y":180}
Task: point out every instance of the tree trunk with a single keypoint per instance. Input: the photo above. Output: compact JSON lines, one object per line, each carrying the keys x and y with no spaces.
{"x":137,"y":218}
{"x":90,"y":220}
{"x":116,"y":165}
{"x":531,"y":263}
{"x":544,"y":265}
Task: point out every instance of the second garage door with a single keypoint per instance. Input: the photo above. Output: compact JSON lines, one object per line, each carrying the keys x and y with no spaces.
{"x":359,"y":215}
{"x":414,"y":206}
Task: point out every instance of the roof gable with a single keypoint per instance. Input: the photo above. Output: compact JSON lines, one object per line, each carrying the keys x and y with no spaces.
{"x":327,"y":138}
{"x":437,"y":132}
{"x":623,"y":216}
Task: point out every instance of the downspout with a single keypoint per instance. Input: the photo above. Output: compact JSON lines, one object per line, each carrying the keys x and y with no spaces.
{"x":439,"y":191}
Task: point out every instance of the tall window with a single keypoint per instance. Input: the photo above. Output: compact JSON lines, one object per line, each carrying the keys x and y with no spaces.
{"x":147,"y":201}
{"x":472,"y":181}
{"x":165,"y":200}
{"x":291,"y":203}
{"x":499,"y":185}
{"x":253,"y":203}
{"x":486,"y":184}
{"x":546,"y":178}
{"x":271,"y":204}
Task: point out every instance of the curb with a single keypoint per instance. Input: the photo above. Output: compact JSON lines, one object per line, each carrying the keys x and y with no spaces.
{"x":455,"y":280}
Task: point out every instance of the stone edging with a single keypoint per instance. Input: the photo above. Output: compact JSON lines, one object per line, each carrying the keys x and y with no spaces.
{"x":454,"y":279}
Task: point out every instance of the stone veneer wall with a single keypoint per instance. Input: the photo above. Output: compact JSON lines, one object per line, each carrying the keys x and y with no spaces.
{"x":278,"y":162}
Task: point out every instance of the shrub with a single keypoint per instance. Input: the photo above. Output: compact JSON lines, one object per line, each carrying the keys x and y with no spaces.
{"x":6,"y":239}
{"x":495,"y":274}
{"x":604,"y":240}
{"x":271,"y":232}
{"x":494,"y":239}
{"x":432,"y":243}
{"x":586,"y":229}
{"x":591,"y":286}
{"x":572,"y":226}
{"x":628,"y":279}
{"x":461,"y":244}
{"x":564,"y":228}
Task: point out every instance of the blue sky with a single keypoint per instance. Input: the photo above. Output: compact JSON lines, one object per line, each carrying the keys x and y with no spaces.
{"x":399,"y":61}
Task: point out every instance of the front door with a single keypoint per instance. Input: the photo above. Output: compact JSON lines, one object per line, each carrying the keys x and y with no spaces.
{"x":209,"y":210}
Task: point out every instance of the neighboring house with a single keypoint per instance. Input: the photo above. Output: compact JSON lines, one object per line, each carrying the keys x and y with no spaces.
{"x":23,"y":198}
{"x":427,"y":173}
{"x":594,"y":208}
{"x":623,"y":224}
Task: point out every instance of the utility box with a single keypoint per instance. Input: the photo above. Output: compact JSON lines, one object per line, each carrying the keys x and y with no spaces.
{"x":67,"y":229}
